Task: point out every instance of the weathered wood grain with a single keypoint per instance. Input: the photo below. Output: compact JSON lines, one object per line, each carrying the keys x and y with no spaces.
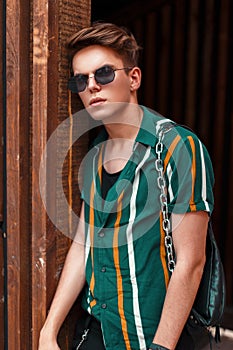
{"x":17,"y":168}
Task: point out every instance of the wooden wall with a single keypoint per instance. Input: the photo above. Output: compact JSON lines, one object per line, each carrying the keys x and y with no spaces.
{"x":188,"y":76}
{"x":37,"y":69}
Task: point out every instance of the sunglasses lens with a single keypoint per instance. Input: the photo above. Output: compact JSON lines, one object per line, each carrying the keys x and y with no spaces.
{"x":81,"y":82}
{"x":72,"y":85}
{"x":104,"y":75}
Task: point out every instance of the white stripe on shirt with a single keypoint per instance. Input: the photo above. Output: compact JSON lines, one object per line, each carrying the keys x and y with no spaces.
{"x":137,"y":316}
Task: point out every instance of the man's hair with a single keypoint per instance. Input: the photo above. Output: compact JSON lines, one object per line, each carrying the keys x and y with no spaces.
{"x":120,"y":39}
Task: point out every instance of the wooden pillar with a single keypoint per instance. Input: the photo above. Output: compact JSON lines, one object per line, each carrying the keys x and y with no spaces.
{"x":37,"y":101}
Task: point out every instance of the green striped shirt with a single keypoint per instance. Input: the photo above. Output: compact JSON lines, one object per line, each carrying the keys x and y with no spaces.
{"x":126,"y":267}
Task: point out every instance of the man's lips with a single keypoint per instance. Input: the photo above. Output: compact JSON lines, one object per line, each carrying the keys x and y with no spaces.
{"x":96,"y":101}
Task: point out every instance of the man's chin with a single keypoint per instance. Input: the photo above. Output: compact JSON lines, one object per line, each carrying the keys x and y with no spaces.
{"x":103,"y":111}
{"x":108,"y":111}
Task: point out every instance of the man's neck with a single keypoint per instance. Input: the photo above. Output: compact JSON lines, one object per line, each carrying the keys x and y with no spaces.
{"x":127,"y":126}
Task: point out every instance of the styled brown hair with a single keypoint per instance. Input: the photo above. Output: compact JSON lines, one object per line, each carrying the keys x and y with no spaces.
{"x":109,"y":35}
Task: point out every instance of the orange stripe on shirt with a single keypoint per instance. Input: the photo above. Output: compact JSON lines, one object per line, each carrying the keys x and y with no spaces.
{"x":100,"y":165}
{"x":92,"y":303}
{"x":118,"y":273}
{"x":193,"y":172}
{"x":171,"y":150}
{"x":163,"y":251}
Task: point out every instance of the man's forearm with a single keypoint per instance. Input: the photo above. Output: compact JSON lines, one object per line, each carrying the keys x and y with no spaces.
{"x":70,"y":285}
{"x":178,"y":303}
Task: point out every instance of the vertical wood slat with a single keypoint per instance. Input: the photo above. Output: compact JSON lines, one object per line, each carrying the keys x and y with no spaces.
{"x":219,"y":118}
{"x":204,"y":91}
{"x":1,"y":111}
{"x":192,"y":55}
{"x":149,"y":67}
{"x":178,"y":62}
{"x":17,"y":167}
{"x":2,"y":297}
{"x":164,"y":61}
{"x":2,"y":301}
{"x":39,"y":132}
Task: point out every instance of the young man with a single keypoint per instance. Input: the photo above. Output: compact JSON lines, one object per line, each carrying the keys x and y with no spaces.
{"x":128,"y":288}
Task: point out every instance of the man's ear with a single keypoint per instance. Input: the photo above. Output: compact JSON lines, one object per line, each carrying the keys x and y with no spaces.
{"x":135,"y":78}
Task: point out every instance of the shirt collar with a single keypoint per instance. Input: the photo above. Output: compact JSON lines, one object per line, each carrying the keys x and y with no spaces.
{"x":147,"y":131}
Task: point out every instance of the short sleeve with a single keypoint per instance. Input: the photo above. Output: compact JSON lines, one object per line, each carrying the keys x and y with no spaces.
{"x":189,"y":174}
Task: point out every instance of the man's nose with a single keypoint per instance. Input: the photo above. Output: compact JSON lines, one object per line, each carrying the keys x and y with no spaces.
{"x":92,"y":83}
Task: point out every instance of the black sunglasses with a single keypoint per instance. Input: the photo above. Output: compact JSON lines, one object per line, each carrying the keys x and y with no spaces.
{"x":103,"y":75}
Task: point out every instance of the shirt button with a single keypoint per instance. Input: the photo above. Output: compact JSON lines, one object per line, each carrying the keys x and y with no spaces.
{"x":104,"y":306}
{"x":101,"y":234}
{"x":103,"y":269}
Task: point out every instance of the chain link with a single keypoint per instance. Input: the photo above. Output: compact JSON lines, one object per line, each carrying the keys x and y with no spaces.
{"x":163,"y":197}
{"x":84,"y":337}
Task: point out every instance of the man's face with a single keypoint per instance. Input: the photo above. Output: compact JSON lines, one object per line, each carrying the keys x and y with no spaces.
{"x":100,"y":100}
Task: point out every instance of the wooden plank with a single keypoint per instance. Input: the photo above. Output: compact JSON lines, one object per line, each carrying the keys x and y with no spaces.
{"x":25,"y":200}
{"x":13,"y":174}
{"x":17,"y":167}
{"x":2,"y":297}
{"x":1,"y":120}
{"x":206,"y":63}
{"x":164,"y":60}
{"x":219,"y":127}
{"x":39,"y":132}
{"x":13,"y":171}
{"x":178,"y":60}
{"x":192,"y":56}
{"x":150,"y":60}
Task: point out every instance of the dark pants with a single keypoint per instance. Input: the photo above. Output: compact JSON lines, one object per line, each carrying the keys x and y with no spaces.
{"x":192,"y":338}
{"x":93,"y":339}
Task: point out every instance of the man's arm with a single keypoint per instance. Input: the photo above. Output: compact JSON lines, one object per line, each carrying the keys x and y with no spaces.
{"x":70,"y":285}
{"x":189,"y":238}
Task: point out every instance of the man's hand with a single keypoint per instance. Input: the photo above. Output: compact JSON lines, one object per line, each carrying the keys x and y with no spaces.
{"x":47,"y":342}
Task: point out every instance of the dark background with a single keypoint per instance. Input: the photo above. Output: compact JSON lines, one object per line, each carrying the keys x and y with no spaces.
{"x":188,"y":76}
